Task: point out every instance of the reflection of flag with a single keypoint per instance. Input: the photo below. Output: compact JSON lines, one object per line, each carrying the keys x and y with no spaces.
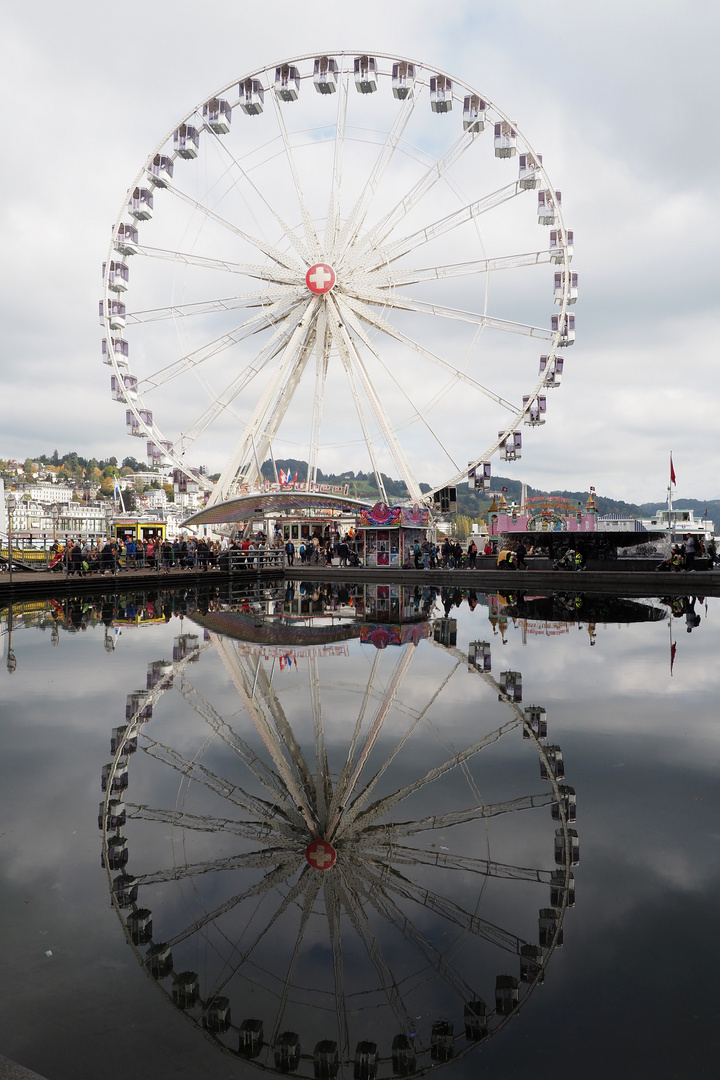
{"x":295,"y":479}
{"x":672,"y":472}
{"x":673,"y":647}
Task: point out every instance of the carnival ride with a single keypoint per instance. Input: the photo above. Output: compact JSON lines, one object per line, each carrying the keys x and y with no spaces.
{"x":334,"y":876}
{"x":345,"y":259}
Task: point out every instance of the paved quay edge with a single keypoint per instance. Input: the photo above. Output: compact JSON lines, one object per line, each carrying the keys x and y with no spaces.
{"x":27,"y":585}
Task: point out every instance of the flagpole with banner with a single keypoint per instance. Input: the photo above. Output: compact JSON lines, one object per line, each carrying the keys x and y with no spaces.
{"x":673,"y":646}
{"x":672,"y":481}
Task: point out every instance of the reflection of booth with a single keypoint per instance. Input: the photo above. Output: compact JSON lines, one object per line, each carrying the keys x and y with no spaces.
{"x":390,"y":533}
{"x":132,"y":529}
{"x":392,"y":603}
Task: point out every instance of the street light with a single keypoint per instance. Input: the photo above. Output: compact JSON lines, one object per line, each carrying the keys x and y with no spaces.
{"x":55,"y":512}
{"x":11,"y":504}
{"x":11,"y":662}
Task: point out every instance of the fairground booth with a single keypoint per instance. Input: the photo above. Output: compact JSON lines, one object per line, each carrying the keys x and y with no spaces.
{"x":390,"y":532}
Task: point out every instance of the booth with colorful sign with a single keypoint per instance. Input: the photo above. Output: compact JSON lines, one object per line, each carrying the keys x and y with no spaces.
{"x":390,"y":533}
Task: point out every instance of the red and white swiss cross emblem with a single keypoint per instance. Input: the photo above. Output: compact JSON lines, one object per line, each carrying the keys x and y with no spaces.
{"x":320,"y":278}
{"x":320,"y":855}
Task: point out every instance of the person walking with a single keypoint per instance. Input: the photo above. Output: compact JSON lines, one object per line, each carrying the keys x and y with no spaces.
{"x":520,"y":553}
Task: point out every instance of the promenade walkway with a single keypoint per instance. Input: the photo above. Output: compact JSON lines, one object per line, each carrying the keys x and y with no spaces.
{"x":633,"y":580}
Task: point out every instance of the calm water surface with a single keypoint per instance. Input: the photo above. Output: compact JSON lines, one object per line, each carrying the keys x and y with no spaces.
{"x":195,"y":936}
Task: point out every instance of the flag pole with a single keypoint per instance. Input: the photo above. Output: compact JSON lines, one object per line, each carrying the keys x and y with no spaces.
{"x":672,"y":481}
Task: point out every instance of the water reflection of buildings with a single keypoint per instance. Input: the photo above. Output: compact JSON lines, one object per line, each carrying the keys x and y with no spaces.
{"x":348,"y":886}
{"x":559,"y":612}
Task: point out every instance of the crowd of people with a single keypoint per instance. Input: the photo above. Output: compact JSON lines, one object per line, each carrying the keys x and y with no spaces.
{"x":82,"y":558}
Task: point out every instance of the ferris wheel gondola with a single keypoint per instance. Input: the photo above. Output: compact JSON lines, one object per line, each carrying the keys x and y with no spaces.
{"x":336,"y":913}
{"x":343,"y":259}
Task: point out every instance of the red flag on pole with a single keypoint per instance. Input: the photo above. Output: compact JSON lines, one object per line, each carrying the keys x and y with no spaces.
{"x":672,"y":472}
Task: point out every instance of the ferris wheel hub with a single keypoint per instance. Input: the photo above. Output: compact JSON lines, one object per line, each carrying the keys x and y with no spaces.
{"x":320,"y":278}
{"x":321,"y":855}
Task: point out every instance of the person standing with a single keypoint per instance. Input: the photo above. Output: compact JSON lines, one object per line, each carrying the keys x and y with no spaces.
{"x":690,"y":554}
{"x":290,"y":552}
{"x":520,"y":553}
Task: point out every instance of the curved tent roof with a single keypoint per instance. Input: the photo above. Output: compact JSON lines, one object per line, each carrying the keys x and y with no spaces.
{"x":259,"y":503}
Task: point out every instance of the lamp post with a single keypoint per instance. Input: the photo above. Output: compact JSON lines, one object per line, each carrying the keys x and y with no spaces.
{"x":55,"y":512}
{"x":11,"y":504}
{"x":108,"y":520}
{"x":11,"y":662}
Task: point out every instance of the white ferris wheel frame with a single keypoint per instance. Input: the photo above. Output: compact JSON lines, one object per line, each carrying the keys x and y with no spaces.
{"x":336,"y":319}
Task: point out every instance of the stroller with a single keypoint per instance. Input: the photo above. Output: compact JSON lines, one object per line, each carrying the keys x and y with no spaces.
{"x":568,"y":561}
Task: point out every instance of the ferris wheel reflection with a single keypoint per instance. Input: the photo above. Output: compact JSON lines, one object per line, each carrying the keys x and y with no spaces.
{"x":362,"y":872}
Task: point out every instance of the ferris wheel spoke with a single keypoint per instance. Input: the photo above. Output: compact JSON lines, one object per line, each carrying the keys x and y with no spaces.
{"x":356,"y":217}
{"x":300,"y":247}
{"x":322,"y":356}
{"x":209,"y":823}
{"x":407,"y":303}
{"x":311,"y":236}
{"x":342,"y":784}
{"x":333,"y":212}
{"x":265,"y":775}
{"x":417,"y":414}
{"x":270,"y":402}
{"x":311,"y":891}
{"x":374,"y":319}
{"x":377,"y":896}
{"x":286,"y":736}
{"x":385,"y":255}
{"x":270,"y":882}
{"x":259,"y":298}
{"x":346,"y":343}
{"x":193,"y":770}
{"x":382,"y":806}
{"x":279,"y":257}
{"x":345,"y":357}
{"x":341,"y":824}
{"x":394,"y":278}
{"x":323,"y":783}
{"x":269,"y":319}
{"x":436,"y":171}
{"x":294,"y":794}
{"x":496,"y":935}
{"x":352,"y":900}
{"x":367,"y":791}
{"x":332,"y":909}
{"x":472,"y":813}
{"x":276,"y":275}
{"x":250,"y":860}
{"x":446,"y":860}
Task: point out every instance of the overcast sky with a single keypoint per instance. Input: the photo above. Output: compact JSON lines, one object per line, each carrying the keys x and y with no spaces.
{"x":620,"y":98}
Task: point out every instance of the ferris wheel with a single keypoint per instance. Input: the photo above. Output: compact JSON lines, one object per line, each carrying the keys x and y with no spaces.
{"x":350,"y":260}
{"x":319,"y":907}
